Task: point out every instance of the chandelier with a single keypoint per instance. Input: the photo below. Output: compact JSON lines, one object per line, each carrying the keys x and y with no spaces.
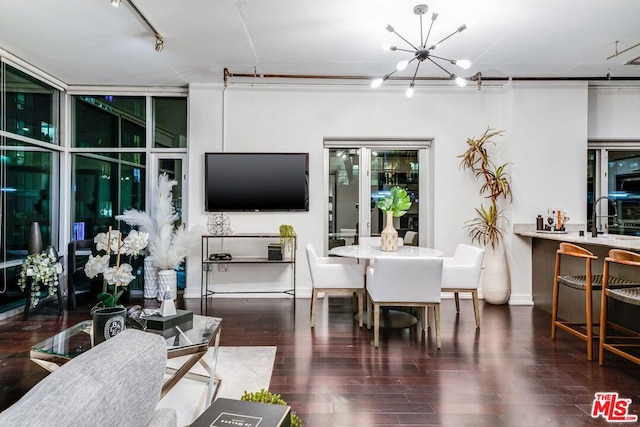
{"x":422,"y":53}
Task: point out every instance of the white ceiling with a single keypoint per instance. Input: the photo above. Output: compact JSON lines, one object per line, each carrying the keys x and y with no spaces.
{"x":90,"y":42}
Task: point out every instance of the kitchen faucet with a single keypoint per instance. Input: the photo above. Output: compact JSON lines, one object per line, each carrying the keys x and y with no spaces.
{"x":594,"y":217}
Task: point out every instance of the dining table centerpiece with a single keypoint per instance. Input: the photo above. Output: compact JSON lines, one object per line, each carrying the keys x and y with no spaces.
{"x":396,"y":204}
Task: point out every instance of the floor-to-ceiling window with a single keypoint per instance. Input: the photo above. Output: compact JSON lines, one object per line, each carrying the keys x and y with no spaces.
{"x":613,"y":171}
{"x":111,"y":156}
{"x":29,"y":171}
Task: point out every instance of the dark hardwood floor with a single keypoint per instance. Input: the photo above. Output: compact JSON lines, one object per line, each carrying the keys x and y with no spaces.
{"x":508,"y":373}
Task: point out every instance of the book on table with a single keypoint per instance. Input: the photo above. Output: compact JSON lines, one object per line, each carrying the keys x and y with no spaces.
{"x":229,"y":412}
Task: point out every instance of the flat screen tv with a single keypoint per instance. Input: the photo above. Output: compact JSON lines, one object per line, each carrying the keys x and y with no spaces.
{"x":256,"y":182}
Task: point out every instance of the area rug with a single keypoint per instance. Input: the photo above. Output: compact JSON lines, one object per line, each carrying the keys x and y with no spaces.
{"x":241,"y":369}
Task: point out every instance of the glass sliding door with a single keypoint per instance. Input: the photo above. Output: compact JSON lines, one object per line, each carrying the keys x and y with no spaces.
{"x":391,"y":168}
{"x":359,"y":175}
{"x":344,"y":196}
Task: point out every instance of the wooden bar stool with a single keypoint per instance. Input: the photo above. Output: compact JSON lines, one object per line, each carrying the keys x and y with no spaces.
{"x":628,"y":339}
{"x":586,"y":283}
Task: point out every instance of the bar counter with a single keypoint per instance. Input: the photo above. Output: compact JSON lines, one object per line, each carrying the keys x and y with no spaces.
{"x":572,"y":302}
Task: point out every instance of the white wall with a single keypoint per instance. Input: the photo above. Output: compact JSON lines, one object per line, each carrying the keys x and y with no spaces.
{"x":614,"y":113}
{"x":545,"y":139}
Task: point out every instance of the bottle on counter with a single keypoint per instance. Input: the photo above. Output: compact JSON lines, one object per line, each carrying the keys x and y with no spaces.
{"x":539,"y":222}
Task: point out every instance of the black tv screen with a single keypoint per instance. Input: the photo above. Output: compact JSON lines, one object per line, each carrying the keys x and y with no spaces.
{"x":256,"y":182}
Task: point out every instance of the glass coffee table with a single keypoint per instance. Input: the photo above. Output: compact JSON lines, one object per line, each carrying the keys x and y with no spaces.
{"x":192,"y":338}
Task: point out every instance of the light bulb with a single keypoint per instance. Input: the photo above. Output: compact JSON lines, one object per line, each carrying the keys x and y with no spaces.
{"x":385,"y":46}
{"x":461,"y":82}
{"x":115,"y":3}
{"x":463,"y":63}
{"x":376,"y":83}
{"x":409,"y":92}
{"x":402,"y":65}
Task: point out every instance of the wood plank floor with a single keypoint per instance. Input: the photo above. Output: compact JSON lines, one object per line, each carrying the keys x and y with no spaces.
{"x":508,"y":373}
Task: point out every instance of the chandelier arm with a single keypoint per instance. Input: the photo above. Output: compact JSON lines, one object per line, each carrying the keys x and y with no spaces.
{"x":424,"y":45}
{"x":405,"y":40}
{"x":406,"y":50}
{"x":440,"y":66}
{"x":415,"y":73}
{"x":452,"y":61}
{"x":433,"y":46}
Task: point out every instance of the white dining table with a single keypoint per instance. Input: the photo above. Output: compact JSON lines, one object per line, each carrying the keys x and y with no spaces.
{"x":390,"y":318}
{"x":371,"y":252}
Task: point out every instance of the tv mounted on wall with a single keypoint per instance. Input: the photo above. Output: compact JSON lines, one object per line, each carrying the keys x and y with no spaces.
{"x":256,"y":182}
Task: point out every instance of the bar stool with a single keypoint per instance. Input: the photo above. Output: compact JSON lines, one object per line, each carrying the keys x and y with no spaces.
{"x":587,"y":283}
{"x":618,"y":344}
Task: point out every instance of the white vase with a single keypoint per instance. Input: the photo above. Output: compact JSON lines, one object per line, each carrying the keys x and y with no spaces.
{"x":150,"y":279}
{"x":167,"y":284}
{"x":389,"y":235}
{"x":496,"y":283}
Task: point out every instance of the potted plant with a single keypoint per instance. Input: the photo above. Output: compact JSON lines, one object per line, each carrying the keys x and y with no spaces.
{"x":287,"y":234}
{"x":168,"y":244}
{"x":108,"y":316}
{"x":396,"y":204}
{"x":487,"y":228}
{"x":264,"y":396}
{"x":43,"y":269}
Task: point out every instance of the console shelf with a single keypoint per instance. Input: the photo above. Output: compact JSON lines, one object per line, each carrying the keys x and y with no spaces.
{"x":241,"y":242}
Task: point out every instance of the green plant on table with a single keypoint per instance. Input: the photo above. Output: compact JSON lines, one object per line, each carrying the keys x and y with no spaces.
{"x":264,"y":396}
{"x":398,"y":202}
{"x":287,"y":233}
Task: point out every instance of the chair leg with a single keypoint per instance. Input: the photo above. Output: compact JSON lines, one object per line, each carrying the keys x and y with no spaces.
{"x":423,"y":313}
{"x":603,"y":328}
{"x":476,"y":308}
{"x":369,"y":310}
{"x":376,"y":325}
{"x":589,"y":322}
{"x":554,"y":308}
{"x":360,"y":308}
{"x":314,"y":302}
{"x":437,"y":316}
{"x":456,"y":297}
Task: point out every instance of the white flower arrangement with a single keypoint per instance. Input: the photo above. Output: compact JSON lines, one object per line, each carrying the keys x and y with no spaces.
{"x":120,"y":274}
{"x":168,"y":245}
{"x":43,"y":269}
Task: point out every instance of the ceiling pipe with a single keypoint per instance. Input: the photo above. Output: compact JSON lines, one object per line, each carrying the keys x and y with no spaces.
{"x":229,"y":75}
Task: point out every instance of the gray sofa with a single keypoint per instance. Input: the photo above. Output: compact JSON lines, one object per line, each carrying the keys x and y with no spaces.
{"x":117,"y":383}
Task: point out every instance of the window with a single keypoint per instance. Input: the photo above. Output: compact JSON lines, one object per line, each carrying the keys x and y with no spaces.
{"x":613,"y":171}
{"x":29,"y":171}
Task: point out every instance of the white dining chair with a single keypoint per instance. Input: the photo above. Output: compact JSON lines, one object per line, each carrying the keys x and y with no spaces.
{"x":410,"y":238}
{"x":461,"y":273}
{"x":405,"y":282}
{"x":334,"y":275}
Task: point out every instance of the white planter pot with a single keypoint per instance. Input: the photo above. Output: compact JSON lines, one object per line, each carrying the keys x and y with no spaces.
{"x":496,"y":283}
{"x":167,"y":282}
{"x":150,"y":279}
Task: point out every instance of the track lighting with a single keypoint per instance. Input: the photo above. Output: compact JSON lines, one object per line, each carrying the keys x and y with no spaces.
{"x":422,"y":53}
{"x":159,"y":44}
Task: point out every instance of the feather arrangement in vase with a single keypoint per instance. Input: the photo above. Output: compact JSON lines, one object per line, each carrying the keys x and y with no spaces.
{"x":168,"y":244}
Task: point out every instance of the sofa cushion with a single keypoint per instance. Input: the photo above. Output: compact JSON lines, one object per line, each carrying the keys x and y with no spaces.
{"x":117,"y":383}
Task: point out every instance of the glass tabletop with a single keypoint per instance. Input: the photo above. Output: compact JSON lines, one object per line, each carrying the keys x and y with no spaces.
{"x":77,"y":339}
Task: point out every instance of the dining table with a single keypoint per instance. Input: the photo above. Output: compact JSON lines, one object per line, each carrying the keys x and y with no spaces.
{"x":390,"y":318}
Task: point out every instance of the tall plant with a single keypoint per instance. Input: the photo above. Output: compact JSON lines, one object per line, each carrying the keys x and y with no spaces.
{"x":486,"y":228}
